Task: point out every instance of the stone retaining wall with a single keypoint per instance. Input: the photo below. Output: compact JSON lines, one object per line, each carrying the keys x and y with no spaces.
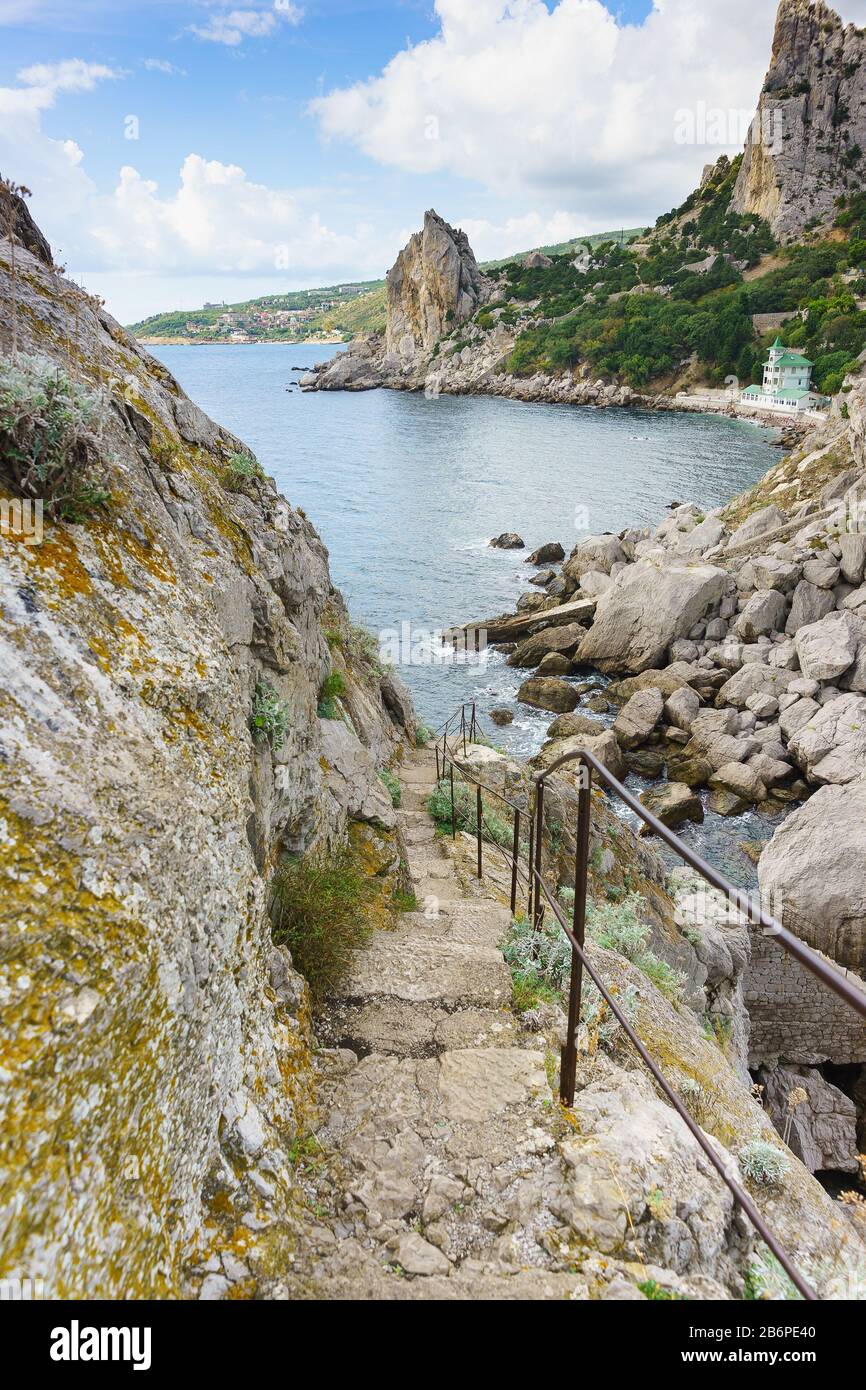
{"x":794,"y":1017}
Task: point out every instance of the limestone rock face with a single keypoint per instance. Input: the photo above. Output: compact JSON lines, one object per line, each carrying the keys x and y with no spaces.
{"x":434,"y":281}
{"x":814,"y":870}
{"x":805,"y":147}
{"x":823,"y":1121}
{"x":156,"y":1043}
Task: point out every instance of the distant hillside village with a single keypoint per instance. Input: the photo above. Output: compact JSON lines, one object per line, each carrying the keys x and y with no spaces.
{"x":331,"y":313}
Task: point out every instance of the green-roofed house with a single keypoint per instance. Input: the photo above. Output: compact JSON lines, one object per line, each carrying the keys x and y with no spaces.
{"x":787,"y":384}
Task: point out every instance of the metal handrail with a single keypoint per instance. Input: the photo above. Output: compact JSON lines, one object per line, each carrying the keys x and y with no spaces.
{"x":576,"y":932}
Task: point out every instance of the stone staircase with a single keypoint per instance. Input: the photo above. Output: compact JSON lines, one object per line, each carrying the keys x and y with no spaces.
{"x":436,"y":1105}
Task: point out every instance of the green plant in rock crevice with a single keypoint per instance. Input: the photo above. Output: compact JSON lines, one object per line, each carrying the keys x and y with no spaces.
{"x":764,"y":1163}
{"x":241,"y":469}
{"x":51,"y":437}
{"x":269,"y":720}
{"x":392,"y":785}
{"x":332,"y":687}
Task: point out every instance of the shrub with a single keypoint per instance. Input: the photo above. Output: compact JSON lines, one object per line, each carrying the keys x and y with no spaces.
{"x":763,"y":1162}
{"x":618,"y":928}
{"x":392,"y":784}
{"x":270,"y":717}
{"x":466,"y":813}
{"x":49,"y":437}
{"x":239,"y":471}
{"x":317,"y":909}
{"x":423,"y":736}
{"x":332,"y":687}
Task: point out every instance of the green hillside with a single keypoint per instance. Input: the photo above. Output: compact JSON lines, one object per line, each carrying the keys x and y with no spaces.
{"x":685,"y":301}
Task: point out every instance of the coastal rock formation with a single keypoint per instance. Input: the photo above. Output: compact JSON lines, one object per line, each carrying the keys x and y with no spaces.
{"x":157,"y":1044}
{"x":808,"y":142}
{"x":434,"y":285}
{"x":434,"y":281}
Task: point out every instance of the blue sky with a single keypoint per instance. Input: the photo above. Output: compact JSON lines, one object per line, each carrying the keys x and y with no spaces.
{"x":289,"y":144}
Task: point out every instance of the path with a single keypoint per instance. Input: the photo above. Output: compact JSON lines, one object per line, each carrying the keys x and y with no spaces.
{"x":437,"y":1108}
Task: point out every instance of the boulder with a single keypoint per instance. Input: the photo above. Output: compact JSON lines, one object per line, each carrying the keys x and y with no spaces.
{"x":594,"y":553}
{"x":595,"y":582}
{"x":568,"y":725}
{"x":797,"y":715}
{"x":502,"y":716}
{"x":820,"y":1121}
{"x":513,"y":627}
{"x":761,"y":523}
{"x":822,"y":571}
{"x":509,"y":540}
{"x":765,"y":612}
{"x":774,"y":572}
{"x":564,"y":640}
{"x":814,"y":869}
{"x":553,"y":664}
{"x":809,"y":605}
{"x":830,"y":746}
{"x":647,"y":609}
{"x":827,"y":648}
{"x":549,"y":554}
{"x":603,"y":745}
{"x":672,"y":803}
{"x":547,"y":692}
{"x":742,"y":779}
{"x":690,"y":766}
{"x":853,"y":559}
{"x":725,"y":748}
{"x":773,"y":772}
{"x":682,"y":708}
{"x":752,"y":679}
{"x":638,"y":718}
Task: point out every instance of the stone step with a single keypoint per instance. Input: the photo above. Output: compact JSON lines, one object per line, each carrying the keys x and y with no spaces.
{"x":414,"y":967}
{"x":472,"y":923}
{"x":400,"y":1028}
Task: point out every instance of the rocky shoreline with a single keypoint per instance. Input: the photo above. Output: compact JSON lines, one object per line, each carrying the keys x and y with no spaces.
{"x":736,"y":644}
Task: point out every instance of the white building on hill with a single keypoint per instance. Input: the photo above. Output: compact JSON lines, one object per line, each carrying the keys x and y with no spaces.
{"x":787,"y":384}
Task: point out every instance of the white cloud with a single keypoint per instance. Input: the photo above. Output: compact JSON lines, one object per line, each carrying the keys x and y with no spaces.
{"x":164,"y":66}
{"x":491,"y":241}
{"x":214,"y":226}
{"x":40,"y":85}
{"x":563,"y":104}
{"x":231,"y":27}
{"x":216,"y":220}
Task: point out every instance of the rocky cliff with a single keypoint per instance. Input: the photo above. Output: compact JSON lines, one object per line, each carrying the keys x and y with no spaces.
{"x":434,"y":287}
{"x":807,"y":146}
{"x":155,"y":1044}
{"x":434,"y":281}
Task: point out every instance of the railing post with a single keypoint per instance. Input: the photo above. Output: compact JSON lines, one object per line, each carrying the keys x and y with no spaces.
{"x":539,"y":838}
{"x":529,"y":863}
{"x":479,"y":817}
{"x":453,"y":807}
{"x":515,"y":850}
{"x":568,"y":1058}
{"x":438,"y":774}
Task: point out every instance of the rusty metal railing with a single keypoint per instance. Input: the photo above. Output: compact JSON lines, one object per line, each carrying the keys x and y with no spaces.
{"x":540,"y":895}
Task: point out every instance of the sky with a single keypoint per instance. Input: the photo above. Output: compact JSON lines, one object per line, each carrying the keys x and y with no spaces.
{"x":180,"y":151}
